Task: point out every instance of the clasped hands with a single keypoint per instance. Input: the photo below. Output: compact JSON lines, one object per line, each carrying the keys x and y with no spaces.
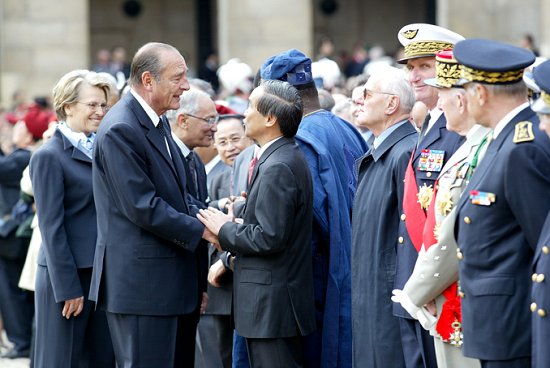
{"x":213,"y":220}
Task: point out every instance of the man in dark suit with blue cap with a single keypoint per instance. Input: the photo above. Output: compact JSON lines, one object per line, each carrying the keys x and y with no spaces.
{"x":540,"y":303}
{"x":331,"y":146}
{"x":501,"y":213}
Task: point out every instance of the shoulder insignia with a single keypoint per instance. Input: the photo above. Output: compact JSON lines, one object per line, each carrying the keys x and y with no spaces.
{"x":524,"y":132}
{"x":410,"y":33}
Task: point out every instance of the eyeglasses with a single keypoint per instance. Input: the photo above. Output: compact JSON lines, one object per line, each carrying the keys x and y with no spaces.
{"x":94,"y":105}
{"x":209,"y":121}
{"x":233,"y":140}
{"x":367,"y":93}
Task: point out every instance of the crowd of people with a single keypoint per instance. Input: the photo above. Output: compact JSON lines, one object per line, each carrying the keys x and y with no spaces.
{"x":293,"y":218}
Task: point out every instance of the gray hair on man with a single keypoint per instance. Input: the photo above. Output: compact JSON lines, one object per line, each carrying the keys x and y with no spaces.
{"x":189,"y":104}
{"x":393,"y":80}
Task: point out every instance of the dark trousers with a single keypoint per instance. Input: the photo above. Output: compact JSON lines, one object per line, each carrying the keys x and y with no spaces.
{"x":153,"y":341}
{"x":81,"y":341}
{"x":283,"y":352}
{"x":214,"y":341}
{"x":418,"y":345}
{"x":514,"y":363}
{"x":16,"y":305}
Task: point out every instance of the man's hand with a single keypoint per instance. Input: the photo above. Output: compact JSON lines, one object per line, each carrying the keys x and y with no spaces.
{"x":204,"y":303}
{"x":210,"y":237}
{"x":421,"y":314}
{"x":214,"y":219}
{"x":216,"y":271}
{"x":73,"y":307}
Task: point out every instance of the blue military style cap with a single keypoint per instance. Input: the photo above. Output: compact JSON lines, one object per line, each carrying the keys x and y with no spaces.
{"x":541,"y":75}
{"x":291,"y":66}
{"x":491,"y":62}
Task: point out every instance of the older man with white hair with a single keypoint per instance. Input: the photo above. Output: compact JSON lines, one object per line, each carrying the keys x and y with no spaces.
{"x":388,"y":100}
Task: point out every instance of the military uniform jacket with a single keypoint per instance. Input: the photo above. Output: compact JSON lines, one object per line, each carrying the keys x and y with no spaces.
{"x":437,"y":268}
{"x":273,"y":279}
{"x":499,"y":220}
{"x":540,"y":299}
{"x":438,"y":138}
{"x":376,"y":336}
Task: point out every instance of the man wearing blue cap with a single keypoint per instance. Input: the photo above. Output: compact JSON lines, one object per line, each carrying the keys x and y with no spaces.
{"x":540,"y":303}
{"x":330,"y":146}
{"x":435,"y":146}
{"x":501,"y":213}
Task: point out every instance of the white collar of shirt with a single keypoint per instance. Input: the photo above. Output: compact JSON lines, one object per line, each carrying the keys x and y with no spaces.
{"x":265,"y":146}
{"x":472,"y":131}
{"x":209,"y":166}
{"x":148,"y":110}
{"x":78,"y":140}
{"x":435,"y":114}
{"x":184,"y":149}
{"x":386,"y":133}
{"x":507,"y":118}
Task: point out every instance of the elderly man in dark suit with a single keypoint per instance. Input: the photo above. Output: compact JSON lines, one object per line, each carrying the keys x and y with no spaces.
{"x":145,"y":269}
{"x":273,"y":282}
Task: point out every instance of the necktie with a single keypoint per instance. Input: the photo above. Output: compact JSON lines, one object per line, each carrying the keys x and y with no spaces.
{"x":193,"y":169}
{"x":89,"y":143}
{"x":478,"y":155}
{"x":162,"y":132}
{"x":251,"y":168}
{"x":424,"y":128}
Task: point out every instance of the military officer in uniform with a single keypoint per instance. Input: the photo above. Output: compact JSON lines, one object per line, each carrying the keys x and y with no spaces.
{"x":540,"y":302}
{"x":436,"y":144}
{"x":436,"y":271}
{"x":501,"y":213}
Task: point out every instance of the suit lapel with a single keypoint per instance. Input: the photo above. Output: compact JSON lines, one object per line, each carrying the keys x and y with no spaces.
{"x":282,"y":141}
{"x":72,"y":151}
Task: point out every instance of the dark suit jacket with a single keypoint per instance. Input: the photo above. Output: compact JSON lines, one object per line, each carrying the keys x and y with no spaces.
{"x":11,"y":170}
{"x":497,"y":241}
{"x":62,"y":182}
{"x":437,"y":138}
{"x":273,"y":281}
{"x":145,"y":261}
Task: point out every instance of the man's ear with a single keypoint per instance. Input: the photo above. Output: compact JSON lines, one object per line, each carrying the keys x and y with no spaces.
{"x":482,"y":94}
{"x":147,"y":80}
{"x":392,"y":105}
{"x":461,"y":102}
{"x":271,"y":120}
{"x":182,"y":121}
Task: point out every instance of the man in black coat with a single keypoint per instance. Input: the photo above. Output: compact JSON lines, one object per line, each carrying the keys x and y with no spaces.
{"x":273,"y":281}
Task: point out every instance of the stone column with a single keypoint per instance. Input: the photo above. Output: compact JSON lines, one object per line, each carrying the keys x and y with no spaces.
{"x":253,"y":30}
{"x":39,"y":42}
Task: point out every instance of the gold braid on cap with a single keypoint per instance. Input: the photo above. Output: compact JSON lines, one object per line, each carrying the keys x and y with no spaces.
{"x":422,"y":48}
{"x":483,"y":76}
{"x":447,"y":72}
{"x":545,"y":98}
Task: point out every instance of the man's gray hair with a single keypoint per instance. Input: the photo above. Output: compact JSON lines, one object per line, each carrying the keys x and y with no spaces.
{"x":189,"y":104}
{"x":148,"y":59}
{"x":394,"y":81}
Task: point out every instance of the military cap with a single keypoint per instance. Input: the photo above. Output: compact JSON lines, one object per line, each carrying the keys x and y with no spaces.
{"x":291,"y":66}
{"x":447,"y":71}
{"x":491,"y":62}
{"x":424,"y":40}
{"x":541,"y":75}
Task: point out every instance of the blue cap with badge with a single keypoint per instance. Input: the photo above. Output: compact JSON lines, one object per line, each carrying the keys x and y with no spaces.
{"x":541,"y":75}
{"x":491,"y":62}
{"x":291,"y":66}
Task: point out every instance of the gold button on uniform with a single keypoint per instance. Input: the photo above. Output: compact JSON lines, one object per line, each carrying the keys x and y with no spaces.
{"x":403,"y":217}
{"x":461,"y":294}
{"x":429,"y":174}
{"x":459,"y":254}
{"x":467,"y":220}
{"x":533,"y":307}
{"x":541,"y":312}
{"x":545,"y":250}
{"x":540,"y":277}
{"x":401,"y":240}
{"x":534,"y":277}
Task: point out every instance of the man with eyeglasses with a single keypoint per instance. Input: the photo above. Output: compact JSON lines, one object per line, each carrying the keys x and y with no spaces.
{"x":435,"y":145}
{"x":388,"y":100}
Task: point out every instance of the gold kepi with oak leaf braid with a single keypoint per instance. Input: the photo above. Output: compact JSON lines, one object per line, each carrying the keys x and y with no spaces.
{"x":425,"y":48}
{"x":447,"y":71}
{"x":491,"y":77}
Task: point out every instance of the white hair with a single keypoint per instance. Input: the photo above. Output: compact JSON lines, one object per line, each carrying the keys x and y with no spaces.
{"x":189,"y":104}
{"x":393,"y":80}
